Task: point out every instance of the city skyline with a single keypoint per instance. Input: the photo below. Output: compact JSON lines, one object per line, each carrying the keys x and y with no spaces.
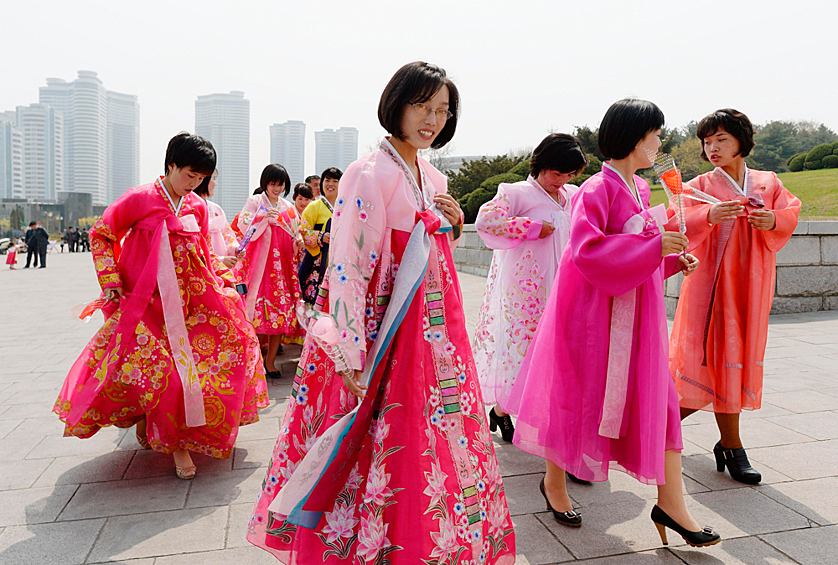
{"x":288,"y":148}
{"x":335,"y":148}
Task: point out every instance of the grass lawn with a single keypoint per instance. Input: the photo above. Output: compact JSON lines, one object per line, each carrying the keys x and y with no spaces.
{"x":818,"y":190}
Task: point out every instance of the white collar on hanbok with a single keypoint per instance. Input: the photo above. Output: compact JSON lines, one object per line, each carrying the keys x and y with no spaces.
{"x":166,"y":192}
{"x":427,"y":200}
{"x":741,"y":189}
{"x":628,"y":187}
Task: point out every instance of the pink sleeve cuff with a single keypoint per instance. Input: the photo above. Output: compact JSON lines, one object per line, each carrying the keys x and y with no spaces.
{"x":534,"y":230}
{"x":356,"y":359}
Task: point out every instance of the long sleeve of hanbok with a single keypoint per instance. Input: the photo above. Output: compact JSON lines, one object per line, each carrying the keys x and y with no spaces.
{"x":499,"y":229}
{"x":248,"y":213}
{"x":105,"y":236}
{"x":312,"y":238}
{"x":786,"y":208}
{"x":358,"y":228}
{"x":614,"y":263}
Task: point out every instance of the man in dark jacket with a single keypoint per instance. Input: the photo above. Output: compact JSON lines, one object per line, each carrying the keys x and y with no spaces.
{"x":31,"y":245}
{"x":42,"y":237}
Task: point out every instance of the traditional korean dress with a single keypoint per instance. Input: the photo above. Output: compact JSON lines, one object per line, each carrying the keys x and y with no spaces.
{"x":11,"y":256}
{"x":594,"y":390}
{"x":178,"y":350}
{"x":269,"y":270}
{"x":520,"y":278}
{"x":423,"y":485}
{"x":223,"y":241}
{"x":718,"y":340}
{"x":316,"y":222}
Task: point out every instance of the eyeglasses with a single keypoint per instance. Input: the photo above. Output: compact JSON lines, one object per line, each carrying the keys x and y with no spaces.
{"x":441,"y":113}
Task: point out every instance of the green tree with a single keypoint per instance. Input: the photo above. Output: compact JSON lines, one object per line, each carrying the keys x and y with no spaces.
{"x":589,"y":140}
{"x":487,"y":190}
{"x":687,"y":155}
{"x":472,"y":173}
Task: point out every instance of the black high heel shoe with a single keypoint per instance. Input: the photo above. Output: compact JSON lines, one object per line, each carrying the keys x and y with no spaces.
{"x":701,"y":538}
{"x":570,"y":518}
{"x":507,"y":430}
{"x":737,"y":463}
{"x":577,"y":480}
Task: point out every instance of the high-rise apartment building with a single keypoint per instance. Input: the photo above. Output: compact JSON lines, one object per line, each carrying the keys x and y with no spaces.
{"x":224,"y":119}
{"x":288,"y":148}
{"x":42,"y":130}
{"x":84,"y":105}
{"x":11,"y":156}
{"x":335,"y":148}
{"x":123,"y":143}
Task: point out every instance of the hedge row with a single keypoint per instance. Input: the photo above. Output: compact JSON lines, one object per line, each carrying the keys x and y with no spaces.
{"x":823,"y":156}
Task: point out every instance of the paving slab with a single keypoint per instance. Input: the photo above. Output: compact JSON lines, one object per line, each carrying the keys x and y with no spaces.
{"x":534,"y":540}
{"x":21,"y":474}
{"x":702,"y":469}
{"x":49,"y":544}
{"x":237,"y":525}
{"x":115,"y":498}
{"x":815,"y":546}
{"x":816,"y":425}
{"x":801,"y":401}
{"x":817,"y":499}
{"x":105,"y":441}
{"x":84,"y":469}
{"x":147,"y":463}
{"x":33,"y":505}
{"x":743,"y":512}
{"x":805,"y":461}
{"x":224,"y":488}
{"x":736,"y":551}
{"x":249,"y":555}
{"x":160,"y":534}
{"x":250,"y":454}
{"x":754,"y":433}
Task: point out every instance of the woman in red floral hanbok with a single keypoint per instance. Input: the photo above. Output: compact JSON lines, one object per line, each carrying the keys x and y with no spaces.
{"x":418,"y":482}
{"x":176,"y":355}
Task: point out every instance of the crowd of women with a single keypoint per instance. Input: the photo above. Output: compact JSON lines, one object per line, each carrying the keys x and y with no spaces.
{"x":385,"y":453}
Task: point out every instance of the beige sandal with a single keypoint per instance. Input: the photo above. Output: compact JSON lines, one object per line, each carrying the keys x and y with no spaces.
{"x":186,"y":473}
{"x":142,"y":436}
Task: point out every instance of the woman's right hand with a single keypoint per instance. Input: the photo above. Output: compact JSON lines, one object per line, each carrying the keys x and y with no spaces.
{"x":114,"y":294}
{"x":327,"y":237}
{"x":724,"y":211}
{"x":353,"y":383}
{"x":673,"y":242}
{"x":546,"y":230}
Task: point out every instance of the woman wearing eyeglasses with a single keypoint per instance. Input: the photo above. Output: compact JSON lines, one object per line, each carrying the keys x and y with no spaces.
{"x":415,"y":479}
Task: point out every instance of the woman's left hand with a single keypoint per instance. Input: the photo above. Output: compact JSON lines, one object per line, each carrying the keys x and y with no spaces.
{"x":762,"y":219}
{"x":688,"y":263}
{"x":450,"y":208}
{"x":230,"y":261}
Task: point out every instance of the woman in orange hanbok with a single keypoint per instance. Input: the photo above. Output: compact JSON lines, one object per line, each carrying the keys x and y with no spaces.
{"x":718,"y":341}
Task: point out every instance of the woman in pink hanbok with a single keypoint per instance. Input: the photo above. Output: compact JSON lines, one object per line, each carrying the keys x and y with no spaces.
{"x":415,"y":479}
{"x":527,"y":224}
{"x":223,"y":240}
{"x":176,"y":355}
{"x":595,"y":391}
{"x":268,"y":266}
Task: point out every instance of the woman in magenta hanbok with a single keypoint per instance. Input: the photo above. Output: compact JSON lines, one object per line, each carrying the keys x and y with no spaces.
{"x":527,"y":224}
{"x":418,"y":481}
{"x":268,"y":266}
{"x":594,"y":391}
{"x":176,"y":355}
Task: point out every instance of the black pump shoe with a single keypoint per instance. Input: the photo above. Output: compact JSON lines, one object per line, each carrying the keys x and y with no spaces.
{"x":701,"y":538}
{"x":577,"y":480}
{"x":570,"y":518}
{"x":507,"y":430}
{"x":737,"y":463}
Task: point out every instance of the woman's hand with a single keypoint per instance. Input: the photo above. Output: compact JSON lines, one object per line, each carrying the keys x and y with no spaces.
{"x":450,"y":208}
{"x":114,"y":294}
{"x":724,"y":211}
{"x":687,"y":263}
{"x":327,"y":237}
{"x":273,"y":214}
{"x":673,"y":242}
{"x":353,"y":383}
{"x":762,"y":219}
{"x":546,"y":230}
{"x":230,"y":261}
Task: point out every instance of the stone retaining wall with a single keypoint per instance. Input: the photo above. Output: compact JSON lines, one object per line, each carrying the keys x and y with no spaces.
{"x":807,"y":268}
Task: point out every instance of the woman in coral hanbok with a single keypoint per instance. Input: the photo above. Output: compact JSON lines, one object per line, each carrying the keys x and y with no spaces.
{"x":315,"y":227}
{"x":527,"y":224}
{"x":718,"y":340}
{"x":268,"y":265}
{"x":594,"y":391}
{"x":416,"y":479}
{"x":176,"y":355}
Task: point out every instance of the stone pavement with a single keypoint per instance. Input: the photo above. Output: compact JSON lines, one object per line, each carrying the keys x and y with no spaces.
{"x":103,"y":500}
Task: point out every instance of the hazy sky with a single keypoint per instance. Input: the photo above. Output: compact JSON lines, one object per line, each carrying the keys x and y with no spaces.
{"x":523,"y":68}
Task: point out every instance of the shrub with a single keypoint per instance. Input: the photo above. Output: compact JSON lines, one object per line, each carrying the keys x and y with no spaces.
{"x":830,"y":162}
{"x":522,"y":169}
{"x":488,"y":189}
{"x":593,"y":167}
{"x":796,"y":163}
{"x":819,"y":152}
{"x":835,"y":148}
{"x":813,"y":165}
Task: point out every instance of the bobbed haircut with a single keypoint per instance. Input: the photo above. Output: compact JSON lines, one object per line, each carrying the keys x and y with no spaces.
{"x":625,"y":124}
{"x":733,"y":122}
{"x":193,"y":151}
{"x":274,"y":173}
{"x":417,"y":82}
{"x":311,"y":178}
{"x":331,"y":173}
{"x":203,"y":188}
{"x":558,"y":152}
{"x":304,"y":190}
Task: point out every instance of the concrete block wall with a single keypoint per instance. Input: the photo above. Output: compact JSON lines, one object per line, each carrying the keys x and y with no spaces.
{"x":807,"y":268}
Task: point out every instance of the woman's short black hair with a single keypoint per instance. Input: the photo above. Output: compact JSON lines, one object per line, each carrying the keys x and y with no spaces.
{"x":203,"y":188}
{"x":625,"y":124}
{"x":274,"y":173}
{"x":733,"y":122}
{"x":304,"y":190}
{"x":331,"y":173}
{"x":558,"y":152}
{"x":417,"y":82}
{"x":193,"y":151}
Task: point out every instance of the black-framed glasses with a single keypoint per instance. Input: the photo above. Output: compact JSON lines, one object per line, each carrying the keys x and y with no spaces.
{"x":441,"y":113}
